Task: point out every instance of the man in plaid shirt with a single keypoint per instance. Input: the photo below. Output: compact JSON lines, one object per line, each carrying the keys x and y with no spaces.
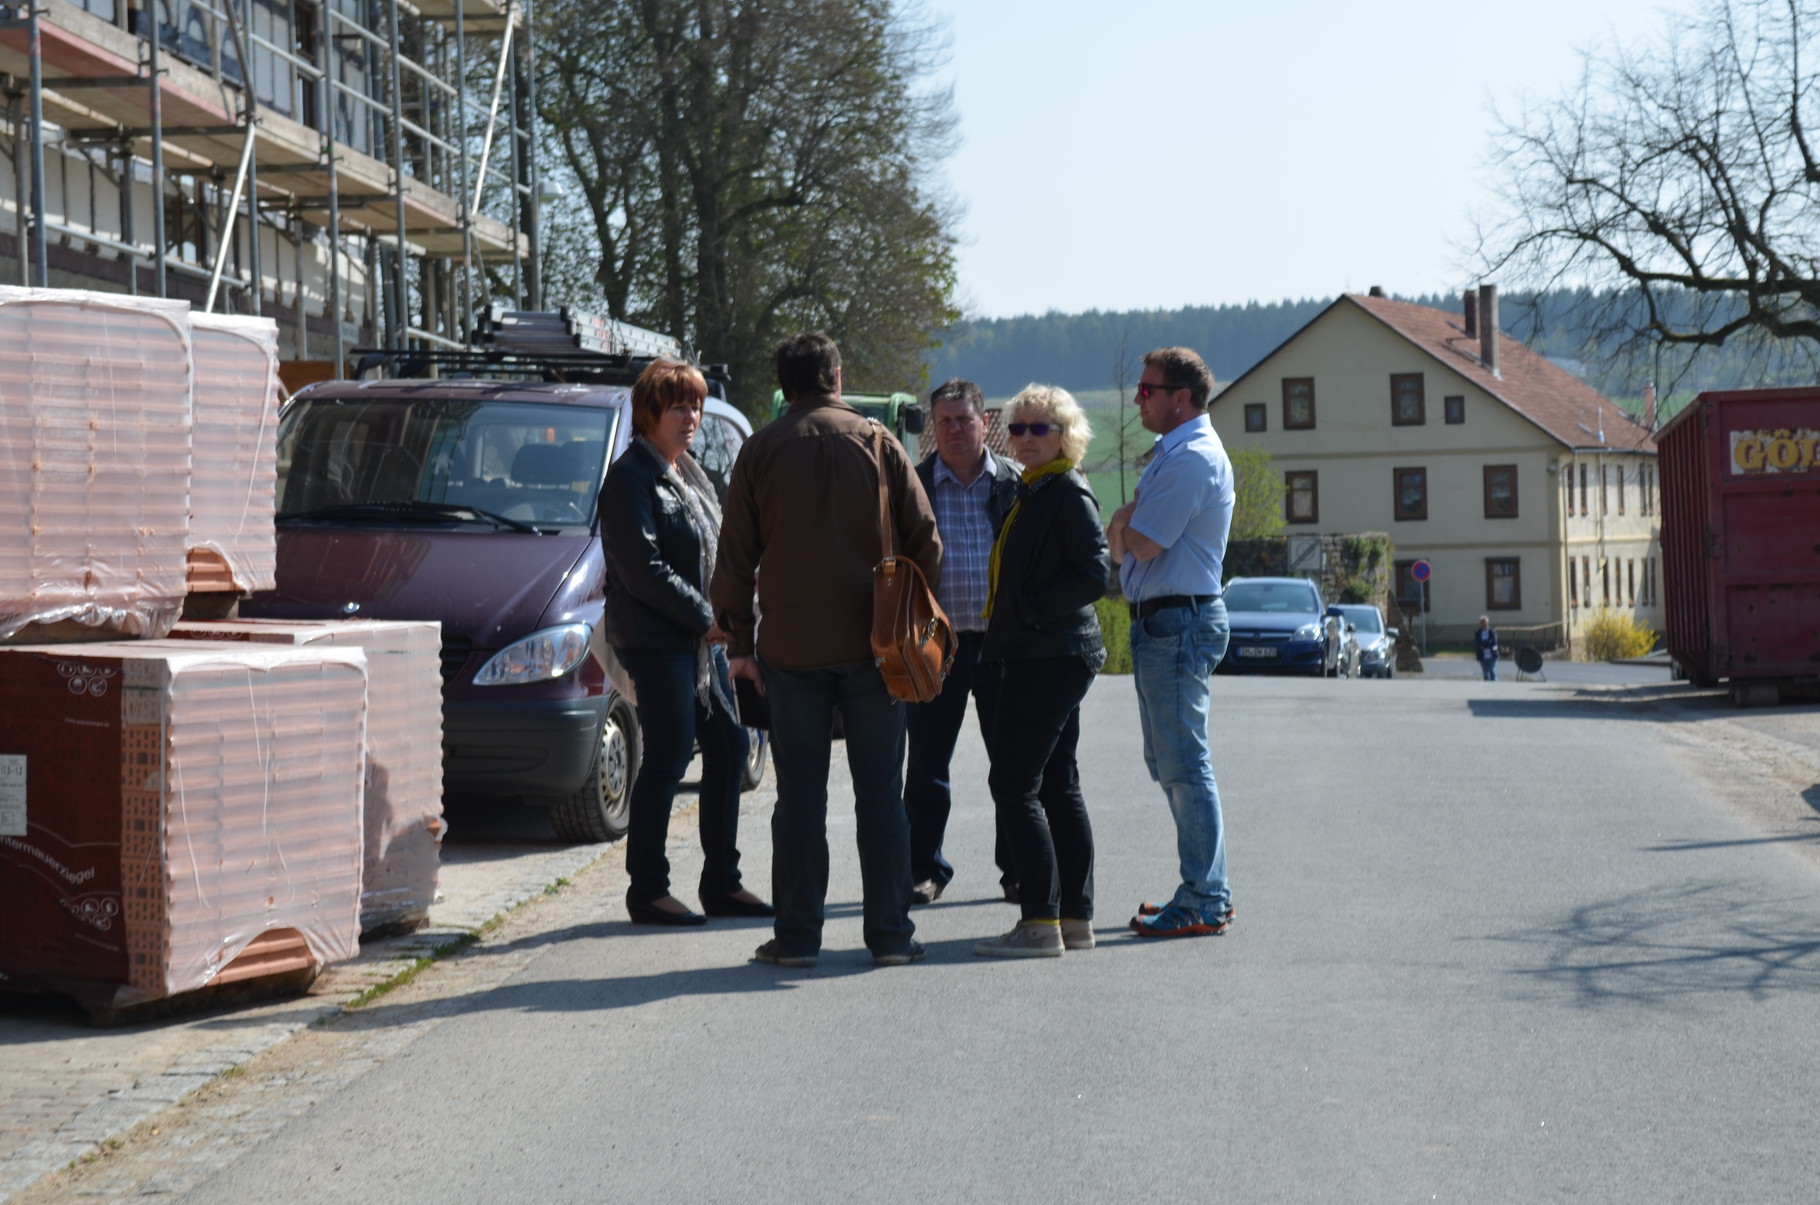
{"x":972,"y":491}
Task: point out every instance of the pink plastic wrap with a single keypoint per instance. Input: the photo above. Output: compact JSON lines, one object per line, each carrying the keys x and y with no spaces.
{"x":94,"y":462}
{"x":169,"y":805}
{"x":404,"y":820}
{"x":236,"y":445}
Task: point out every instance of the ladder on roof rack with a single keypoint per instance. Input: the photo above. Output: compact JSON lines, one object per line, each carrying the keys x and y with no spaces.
{"x":568,"y":332}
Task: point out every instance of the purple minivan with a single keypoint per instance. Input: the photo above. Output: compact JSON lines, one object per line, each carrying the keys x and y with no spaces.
{"x":472,"y":503}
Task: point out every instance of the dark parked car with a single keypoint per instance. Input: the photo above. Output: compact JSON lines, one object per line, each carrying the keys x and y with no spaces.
{"x":472,"y":502}
{"x":1377,"y":643}
{"x":1280,"y":624}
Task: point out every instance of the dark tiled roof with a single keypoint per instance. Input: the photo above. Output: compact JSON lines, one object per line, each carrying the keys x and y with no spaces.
{"x":1552,"y":398}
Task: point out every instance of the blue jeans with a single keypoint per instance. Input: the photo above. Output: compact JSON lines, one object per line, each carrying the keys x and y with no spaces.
{"x":672,"y":721}
{"x":1173,"y":654}
{"x":934,"y":728}
{"x":802,"y":725}
{"x":1490,"y":670}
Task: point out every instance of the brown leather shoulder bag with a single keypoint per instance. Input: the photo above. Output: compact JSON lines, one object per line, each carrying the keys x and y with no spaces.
{"x":912,"y":641}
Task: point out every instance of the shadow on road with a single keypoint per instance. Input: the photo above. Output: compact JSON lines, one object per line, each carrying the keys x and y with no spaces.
{"x":1672,"y":946}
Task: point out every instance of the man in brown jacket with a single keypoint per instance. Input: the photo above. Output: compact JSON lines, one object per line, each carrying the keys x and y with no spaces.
{"x":803,"y":506}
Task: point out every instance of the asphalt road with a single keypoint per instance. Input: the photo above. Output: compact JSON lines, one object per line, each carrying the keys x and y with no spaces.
{"x":1495,"y":942}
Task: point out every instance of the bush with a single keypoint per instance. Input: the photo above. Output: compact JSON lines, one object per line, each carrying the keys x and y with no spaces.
{"x":1355,"y":591}
{"x":1611,"y":636}
{"x":1115,"y":630}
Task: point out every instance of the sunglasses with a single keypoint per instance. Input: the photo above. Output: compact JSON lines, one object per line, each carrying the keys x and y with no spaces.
{"x":1146,"y":391}
{"x":1037,"y":429}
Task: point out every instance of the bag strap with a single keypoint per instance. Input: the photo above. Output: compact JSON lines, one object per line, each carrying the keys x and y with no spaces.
{"x":885,"y":540}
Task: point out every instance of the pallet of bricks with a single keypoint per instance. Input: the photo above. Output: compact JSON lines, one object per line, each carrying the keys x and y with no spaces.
{"x":181,"y":815}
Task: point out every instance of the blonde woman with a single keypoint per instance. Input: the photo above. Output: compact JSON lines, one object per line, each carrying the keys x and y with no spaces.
{"x":1049,"y":563}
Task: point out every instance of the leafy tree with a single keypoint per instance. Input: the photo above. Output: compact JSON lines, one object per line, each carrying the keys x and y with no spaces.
{"x":1257,"y":509}
{"x":1680,"y":182}
{"x":747,"y":168}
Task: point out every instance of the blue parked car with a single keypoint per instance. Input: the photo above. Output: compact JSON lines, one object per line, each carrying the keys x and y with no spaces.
{"x":1280,"y":624}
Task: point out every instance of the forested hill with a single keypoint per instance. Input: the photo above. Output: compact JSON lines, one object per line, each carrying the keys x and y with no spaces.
{"x":1081,"y":351}
{"x":1581,"y":331}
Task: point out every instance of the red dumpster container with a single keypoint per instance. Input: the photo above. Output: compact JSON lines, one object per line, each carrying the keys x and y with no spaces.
{"x":1741,"y":539}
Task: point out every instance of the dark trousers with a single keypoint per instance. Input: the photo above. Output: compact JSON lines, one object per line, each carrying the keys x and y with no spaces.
{"x":934,"y":728}
{"x":672,"y":721}
{"x":803,"y":703}
{"x":1036,"y":785}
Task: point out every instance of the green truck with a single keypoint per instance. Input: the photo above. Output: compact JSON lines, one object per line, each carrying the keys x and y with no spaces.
{"x":901,"y":413}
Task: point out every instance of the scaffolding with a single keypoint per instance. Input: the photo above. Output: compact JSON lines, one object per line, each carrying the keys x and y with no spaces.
{"x":371,"y":159}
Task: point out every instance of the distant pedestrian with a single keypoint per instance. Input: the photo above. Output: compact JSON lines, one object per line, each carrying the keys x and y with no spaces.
{"x":803,"y":507}
{"x":972,"y":491}
{"x":1049,"y":565}
{"x":1485,"y":648}
{"x":659,"y":524}
{"x":1170,"y":543}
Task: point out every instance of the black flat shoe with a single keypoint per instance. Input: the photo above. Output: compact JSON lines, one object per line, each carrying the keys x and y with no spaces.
{"x":645,"y":914}
{"x":732,"y":907}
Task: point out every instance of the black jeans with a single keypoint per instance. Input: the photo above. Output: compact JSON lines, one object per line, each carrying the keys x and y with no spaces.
{"x":934,"y":728}
{"x":1036,"y":785}
{"x":672,"y":721}
{"x":802,"y":725}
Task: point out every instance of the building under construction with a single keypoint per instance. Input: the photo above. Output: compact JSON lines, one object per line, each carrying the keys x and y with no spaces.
{"x":361,"y":171}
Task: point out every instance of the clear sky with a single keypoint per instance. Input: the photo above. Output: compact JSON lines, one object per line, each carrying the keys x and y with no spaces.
{"x":1134,"y":154}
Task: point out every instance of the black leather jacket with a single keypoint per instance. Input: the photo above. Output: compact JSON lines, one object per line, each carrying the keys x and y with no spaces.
{"x":1054,"y":566}
{"x":656,"y":598}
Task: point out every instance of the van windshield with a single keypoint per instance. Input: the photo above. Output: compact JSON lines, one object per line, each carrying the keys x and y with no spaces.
{"x":500,"y":466}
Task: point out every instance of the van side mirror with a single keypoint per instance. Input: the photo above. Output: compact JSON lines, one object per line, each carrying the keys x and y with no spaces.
{"x":1393,"y":633}
{"x":912,"y":417}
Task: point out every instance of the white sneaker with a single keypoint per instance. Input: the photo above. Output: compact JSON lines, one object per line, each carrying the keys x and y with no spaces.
{"x":1030,"y":939}
{"x":1077,"y":934}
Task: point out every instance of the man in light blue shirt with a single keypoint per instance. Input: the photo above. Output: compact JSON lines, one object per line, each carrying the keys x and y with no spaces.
{"x":1169,"y":541}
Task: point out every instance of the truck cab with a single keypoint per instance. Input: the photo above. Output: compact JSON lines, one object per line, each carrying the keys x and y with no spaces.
{"x":901,"y":413}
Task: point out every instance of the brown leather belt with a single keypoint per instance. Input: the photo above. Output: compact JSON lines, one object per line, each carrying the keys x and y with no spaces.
{"x":1150,"y":606}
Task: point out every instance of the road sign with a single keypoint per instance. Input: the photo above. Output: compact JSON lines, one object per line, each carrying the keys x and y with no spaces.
{"x":1420,"y":571}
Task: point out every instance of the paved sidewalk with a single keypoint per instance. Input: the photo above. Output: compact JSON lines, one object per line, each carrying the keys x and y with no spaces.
{"x":66,"y":1089}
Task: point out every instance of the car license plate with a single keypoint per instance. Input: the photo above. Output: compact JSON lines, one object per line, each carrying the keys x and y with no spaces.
{"x":1256,"y":650}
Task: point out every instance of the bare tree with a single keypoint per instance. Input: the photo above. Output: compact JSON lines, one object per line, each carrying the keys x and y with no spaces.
{"x":1676,"y":186}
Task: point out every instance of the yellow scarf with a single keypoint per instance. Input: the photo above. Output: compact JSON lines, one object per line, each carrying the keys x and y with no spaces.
{"x":1061,"y":464}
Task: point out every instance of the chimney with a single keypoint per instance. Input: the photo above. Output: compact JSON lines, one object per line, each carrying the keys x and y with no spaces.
{"x":1471,"y":312}
{"x":1376,"y":291}
{"x":1488,"y":327}
{"x":1649,"y":407}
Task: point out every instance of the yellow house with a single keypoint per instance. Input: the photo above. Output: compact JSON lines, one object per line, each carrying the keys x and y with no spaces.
{"x":1531,"y":497}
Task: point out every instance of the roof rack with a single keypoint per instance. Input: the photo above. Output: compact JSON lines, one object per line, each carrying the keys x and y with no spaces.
{"x":567,"y":331}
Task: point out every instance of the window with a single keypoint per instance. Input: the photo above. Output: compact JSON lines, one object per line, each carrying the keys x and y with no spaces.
{"x":1604,"y":582}
{"x":1586,"y":579}
{"x":1619,"y":470}
{"x":1630,"y":574}
{"x":1301,"y":499}
{"x":1573,"y":585}
{"x":1254,"y":417}
{"x":1454,"y":409}
{"x":1650,"y":597}
{"x":1406,"y":409}
{"x":1298,"y":403}
{"x":1503,"y":584}
{"x":1410,"y":593}
{"x":1583,"y":509}
{"x":1411,"y":493}
{"x":1500,"y":491}
{"x":1604,"y":490}
{"x":1646,"y":489}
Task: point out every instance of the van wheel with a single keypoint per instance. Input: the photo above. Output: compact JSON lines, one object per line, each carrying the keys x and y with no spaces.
{"x":602,"y":809}
{"x":758,"y":748}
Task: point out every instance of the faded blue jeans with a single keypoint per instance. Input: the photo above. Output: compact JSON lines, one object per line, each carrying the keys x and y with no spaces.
{"x":1173,"y":653}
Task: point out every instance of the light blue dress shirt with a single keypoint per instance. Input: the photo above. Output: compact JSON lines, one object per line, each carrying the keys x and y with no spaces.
{"x":1184,"y":503}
